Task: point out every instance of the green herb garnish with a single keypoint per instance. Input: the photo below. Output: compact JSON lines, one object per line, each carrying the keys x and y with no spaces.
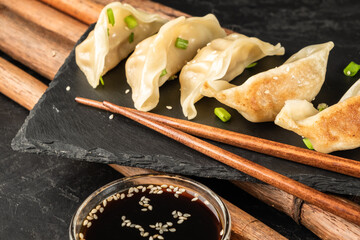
{"x":322,"y":106}
{"x":131,"y":37}
{"x":163,"y":73}
{"x":110,"y":15}
{"x":252,"y":65}
{"x":222,"y":114}
{"x":351,"y":69}
{"x":131,"y":21}
{"x":101,"y":81}
{"x":308,"y":143}
{"x":108,"y":31}
{"x":181,"y":43}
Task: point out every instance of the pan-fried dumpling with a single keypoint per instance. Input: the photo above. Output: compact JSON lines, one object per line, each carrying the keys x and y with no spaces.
{"x":111,"y":42}
{"x":334,"y":128}
{"x":223,"y":58}
{"x":161,"y":56}
{"x":263,"y":95}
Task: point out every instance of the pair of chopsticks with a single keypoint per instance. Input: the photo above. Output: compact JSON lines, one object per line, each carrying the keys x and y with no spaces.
{"x":176,"y":128}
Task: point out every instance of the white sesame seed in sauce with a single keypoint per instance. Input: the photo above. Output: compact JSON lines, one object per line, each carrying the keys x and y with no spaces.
{"x":127,"y":91}
{"x":68,"y":88}
{"x":111,"y":116}
{"x":169,"y":107}
{"x":275,"y":78}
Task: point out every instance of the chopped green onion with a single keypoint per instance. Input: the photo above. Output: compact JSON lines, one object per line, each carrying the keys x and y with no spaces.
{"x":131,"y":21}
{"x":181,"y":43}
{"x":102,"y":81}
{"x":131,"y":37}
{"x":172,"y":77}
{"x":222,"y":114}
{"x":110,"y":15}
{"x":308,"y":143}
{"x":163,"y":73}
{"x":322,"y":106}
{"x":252,"y":65}
{"x":351,"y":69}
{"x":108,"y":31}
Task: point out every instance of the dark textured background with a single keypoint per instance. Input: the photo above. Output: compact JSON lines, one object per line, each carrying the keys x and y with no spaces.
{"x":39,"y":194}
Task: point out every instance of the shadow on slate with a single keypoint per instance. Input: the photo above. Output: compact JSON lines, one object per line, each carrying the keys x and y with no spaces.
{"x":59,"y":126}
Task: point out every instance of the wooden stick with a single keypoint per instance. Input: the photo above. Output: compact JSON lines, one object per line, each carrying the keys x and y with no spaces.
{"x":83,"y":10}
{"x":47,"y":18}
{"x":322,"y":223}
{"x":19,"y":86}
{"x":285,"y":151}
{"x":328,"y":203}
{"x":32,"y":45}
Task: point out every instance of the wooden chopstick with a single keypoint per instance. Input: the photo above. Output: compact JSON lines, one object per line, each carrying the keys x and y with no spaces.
{"x":285,"y":151}
{"x":319,"y":199}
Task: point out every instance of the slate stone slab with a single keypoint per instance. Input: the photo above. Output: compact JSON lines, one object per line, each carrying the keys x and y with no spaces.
{"x":59,"y":126}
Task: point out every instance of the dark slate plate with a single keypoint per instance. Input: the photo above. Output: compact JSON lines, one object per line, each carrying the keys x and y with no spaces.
{"x":59,"y":126}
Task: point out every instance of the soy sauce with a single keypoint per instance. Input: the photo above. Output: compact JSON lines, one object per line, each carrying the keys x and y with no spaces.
{"x":152,"y":212}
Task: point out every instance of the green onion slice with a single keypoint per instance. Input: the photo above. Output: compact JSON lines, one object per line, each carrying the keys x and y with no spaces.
{"x":252,"y":65}
{"x":102,"y":81}
{"x":308,"y":143}
{"x":322,"y":106}
{"x":163,"y":73}
{"x":222,"y":114}
{"x":131,"y":21}
{"x":351,"y":69}
{"x":110,"y":15}
{"x":181,"y":43}
{"x":131,"y":37}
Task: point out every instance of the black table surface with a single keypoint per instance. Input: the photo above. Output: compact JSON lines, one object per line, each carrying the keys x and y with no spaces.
{"x":39,"y":194}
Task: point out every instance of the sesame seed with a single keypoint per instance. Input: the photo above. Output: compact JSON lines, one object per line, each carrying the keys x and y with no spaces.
{"x":127,"y":91}
{"x":267,"y":91}
{"x":187,"y":215}
{"x":180,"y":221}
{"x":104,"y":203}
{"x":53,"y":53}
{"x":172,"y":229}
{"x":206,"y":202}
{"x":160,"y":192}
{"x":127,"y":221}
{"x":130,"y":195}
{"x":89,"y":218}
{"x":141,"y":230}
{"x":132,"y":225}
{"x":174,"y":212}
{"x":176,"y":195}
{"x":123,"y":218}
{"x":194,"y":199}
{"x":151,"y":238}
{"x":139,"y":187}
{"x":145,"y":234}
{"x":275,"y":78}
{"x":128,"y":224}
{"x":85,"y":222}
{"x":169,"y":190}
{"x":137,"y":226}
{"x":111,"y":116}
{"x":95,"y":216}
{"x":144,"y":209}
{"x":94,"y":210}
{"x":81,"y":235}
{"x":169,"y":223}
{"x":348,"y":73}
{"x":122,"y":196}
{"x":222,"y":232}
{"x":150,"y":208}
{"x":152,"y":226}
{"x":98,"y":207}
{"x":169,"y":107}
{"x":68,"y":88}
{"x":164,"y":186}
{"x":123,"y":224}
{"x":88,"y":225}
{"x":101,"y":210}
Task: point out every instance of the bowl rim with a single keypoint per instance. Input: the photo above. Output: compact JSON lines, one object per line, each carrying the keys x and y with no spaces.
{"x":223,"y":207}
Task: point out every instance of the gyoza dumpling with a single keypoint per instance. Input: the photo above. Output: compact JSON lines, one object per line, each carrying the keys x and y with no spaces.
{"x":161,"y":56}
{"x":263,"y":95}
{"x":223,"y":58}
{"x":113,"y":39}
{"x":334,"y":128}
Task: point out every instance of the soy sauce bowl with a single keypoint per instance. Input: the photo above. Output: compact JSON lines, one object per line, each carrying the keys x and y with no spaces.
{"x":152,"y":206}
